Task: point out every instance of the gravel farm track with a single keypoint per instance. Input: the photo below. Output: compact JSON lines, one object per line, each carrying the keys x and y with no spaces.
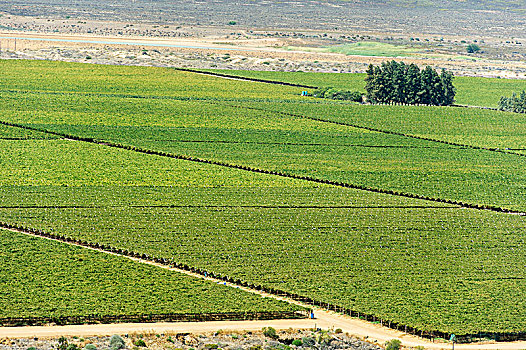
{"x":368,"y":331}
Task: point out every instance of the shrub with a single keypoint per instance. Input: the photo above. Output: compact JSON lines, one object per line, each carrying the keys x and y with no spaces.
{"x":72,"y":347}
{"x":270,"y":332}
{"x":297,"y":342}
{"x":393,"y":344}
{"x":90,"y":347}
{"x":62,"y":343}
{"x":338,"y":94}
{"x":116,"y":342}
{"x":472,"y":48}
{"x":139,"y":343}
{"x":308,"y":341}
{"x":338,"y":331}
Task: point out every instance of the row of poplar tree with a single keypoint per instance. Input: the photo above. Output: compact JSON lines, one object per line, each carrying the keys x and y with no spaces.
{"x":398,"y":83}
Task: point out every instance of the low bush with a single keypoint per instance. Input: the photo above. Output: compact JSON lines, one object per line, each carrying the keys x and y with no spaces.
{"x":116,"y":342}
{"x":297,"y":342}
{"x":338,"y":94}
{"x":393,"y":344}
{"x":308,"y":341}
{"x":270,"y":332}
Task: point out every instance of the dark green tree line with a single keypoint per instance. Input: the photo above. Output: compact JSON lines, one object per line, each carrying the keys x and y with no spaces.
{"x":396,"y":82}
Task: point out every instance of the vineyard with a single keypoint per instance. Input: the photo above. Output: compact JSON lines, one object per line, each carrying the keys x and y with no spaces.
{"x":338,"y":203}
{"x":46,"y":279}
{"x":475,"y":91}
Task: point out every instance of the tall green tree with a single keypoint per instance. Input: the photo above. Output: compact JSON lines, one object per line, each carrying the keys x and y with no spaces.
{"x":414,"y":84}
{"x":449,"y":90}
{"x":371,"y":84}
{"x":396,"y":82}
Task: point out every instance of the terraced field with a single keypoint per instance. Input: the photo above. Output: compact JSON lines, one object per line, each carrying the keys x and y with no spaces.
{"x":185,"y":171}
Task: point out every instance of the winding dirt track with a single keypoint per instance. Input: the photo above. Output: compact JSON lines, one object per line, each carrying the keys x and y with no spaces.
{"x":323,"y":319}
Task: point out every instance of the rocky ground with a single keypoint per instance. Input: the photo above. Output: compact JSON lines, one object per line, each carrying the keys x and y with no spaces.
{"x":291,"y":339}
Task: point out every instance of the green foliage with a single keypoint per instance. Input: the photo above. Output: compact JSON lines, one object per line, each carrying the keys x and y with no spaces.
{"x":273,"y":231}
{"x":145,"y":290}
{"x":515,"y":103}
{"x":308,"y":341}
{"x":90,"y":347}
{"x":396,"y":82}
{"x":270,"y":332}
{"x":62,"y":343}
{"x":297,"y":342}
{"x":393,"y":344}
{"x":232,"y":23}
{"x":474,"y":91}
{"x":338,"y":94}
{"x":472,"y":48}
{"x":140,"y":343}
{"x":116,"y":342}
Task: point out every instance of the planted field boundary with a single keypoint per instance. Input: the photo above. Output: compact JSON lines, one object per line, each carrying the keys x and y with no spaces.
{"x":204,"y":317}
{"x":388,"y":132}
{"x":278,"y":82}
{"x":231,"y":76}
{"x":317,"y":119}
{"x":236,"y":283}
{"x":268,"y":172}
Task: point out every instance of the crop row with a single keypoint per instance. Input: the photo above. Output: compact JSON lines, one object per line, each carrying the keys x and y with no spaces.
{"x":423,"y":168}
{"x":45,"y":280}
{"x":467,"y":127}
{"x":270,"y":261}
{"x":74,"y":77}
{"x":242,"y":153}
{"x":368,"y":256}
{"x":174,"y":317}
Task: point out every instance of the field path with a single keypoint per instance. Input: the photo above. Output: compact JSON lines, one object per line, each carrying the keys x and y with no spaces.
{"x":323,"y":319}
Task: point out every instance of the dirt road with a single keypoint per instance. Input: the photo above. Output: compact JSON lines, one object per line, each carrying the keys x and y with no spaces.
{"x":324,"y":320}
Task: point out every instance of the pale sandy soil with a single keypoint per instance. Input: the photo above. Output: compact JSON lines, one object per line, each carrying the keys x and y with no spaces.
{"x":207,"y":53}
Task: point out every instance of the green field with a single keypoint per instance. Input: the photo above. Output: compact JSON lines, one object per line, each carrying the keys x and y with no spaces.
{"x":226,"y":131}
{"x":419,"y":263}
{"x":43,"y":278}
{"x":472,"y":91}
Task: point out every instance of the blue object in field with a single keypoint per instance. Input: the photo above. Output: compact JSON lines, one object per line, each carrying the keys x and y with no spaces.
{"x":312,"y":314}
{"x":453,"y":338}
{"x":304,"y":93}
